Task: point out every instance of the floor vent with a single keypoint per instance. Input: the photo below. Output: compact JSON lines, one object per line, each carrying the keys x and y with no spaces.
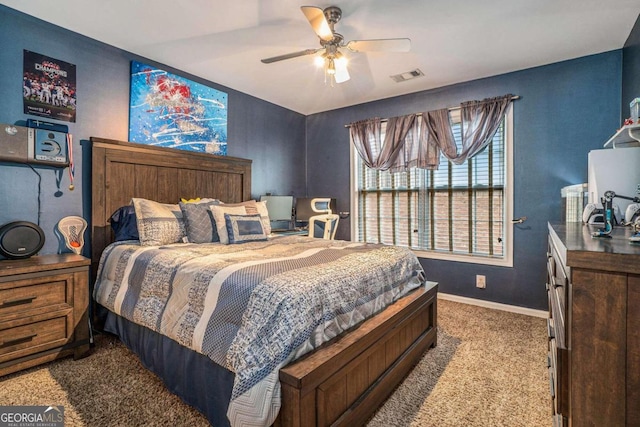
{"x":403,"y":77}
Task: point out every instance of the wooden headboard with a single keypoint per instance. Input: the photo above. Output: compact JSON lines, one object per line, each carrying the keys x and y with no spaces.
{"x":122,"y":170}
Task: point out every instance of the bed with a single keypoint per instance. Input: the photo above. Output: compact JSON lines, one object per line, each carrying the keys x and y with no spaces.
{"x":335,"y":371}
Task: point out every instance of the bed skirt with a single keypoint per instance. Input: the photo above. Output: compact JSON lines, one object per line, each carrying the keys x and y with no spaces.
{"x":192,"y":376}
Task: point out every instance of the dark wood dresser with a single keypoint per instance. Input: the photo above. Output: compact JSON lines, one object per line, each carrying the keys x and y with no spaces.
{"x":43,"y":310}
{"x":594,"y":327}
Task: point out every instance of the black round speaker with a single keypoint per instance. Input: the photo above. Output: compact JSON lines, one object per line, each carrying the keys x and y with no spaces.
{"x":20,"y":239}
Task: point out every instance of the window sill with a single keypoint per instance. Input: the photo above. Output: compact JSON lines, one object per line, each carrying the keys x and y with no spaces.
{"x":470,"y":259}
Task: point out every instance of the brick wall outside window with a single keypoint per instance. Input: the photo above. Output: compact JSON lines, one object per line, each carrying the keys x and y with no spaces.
{"x":456,"y":209}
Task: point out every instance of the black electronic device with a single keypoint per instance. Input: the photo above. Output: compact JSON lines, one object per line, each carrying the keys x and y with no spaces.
{"x":20,"y":239}
{"x":34,"y":145}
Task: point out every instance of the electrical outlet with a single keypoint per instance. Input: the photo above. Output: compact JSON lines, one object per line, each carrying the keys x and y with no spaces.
{"x":481,"y":281}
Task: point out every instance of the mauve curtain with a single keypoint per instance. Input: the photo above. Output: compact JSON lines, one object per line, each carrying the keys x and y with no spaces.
{"x":404,"y":147}
{"x":436,"y":136}
{"x":366,"y":136}
{"x":400,"y":138}
{"x":480,"y":121}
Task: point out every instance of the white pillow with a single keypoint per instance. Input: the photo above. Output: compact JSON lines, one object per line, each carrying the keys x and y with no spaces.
{"x":218,"y":215}
{"x":264,"y":216}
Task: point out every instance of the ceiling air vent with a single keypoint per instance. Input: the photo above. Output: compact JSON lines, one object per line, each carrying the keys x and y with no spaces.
{"x":403,"y":77}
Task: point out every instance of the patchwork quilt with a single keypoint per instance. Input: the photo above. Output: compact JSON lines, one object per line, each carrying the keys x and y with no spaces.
{"x":254,"y":307}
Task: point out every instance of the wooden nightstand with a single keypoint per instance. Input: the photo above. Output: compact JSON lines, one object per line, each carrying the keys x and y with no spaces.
{"x":44,"y":303}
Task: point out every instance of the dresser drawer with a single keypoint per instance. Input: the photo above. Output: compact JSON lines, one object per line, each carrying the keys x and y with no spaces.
{"x":25,"y":295}
{"x":33,"y":337}
{"x":558,"y":315}
{"x":557,"y":292}
{"x":557,"y":361}
{"x":553,"y":373}
{"x":559,"y":421}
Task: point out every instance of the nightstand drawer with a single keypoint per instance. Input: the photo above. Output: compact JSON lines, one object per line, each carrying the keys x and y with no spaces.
{"x":33,"y":337}
{"x":43,"y":310}
{"x":26,"y":295}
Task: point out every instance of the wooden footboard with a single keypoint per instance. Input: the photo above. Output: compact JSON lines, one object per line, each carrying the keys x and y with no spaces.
{"x":344,"y":382}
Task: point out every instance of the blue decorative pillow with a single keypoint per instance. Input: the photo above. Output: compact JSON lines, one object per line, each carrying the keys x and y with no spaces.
{"x":244,"y":228}
{"x":124,"y":224}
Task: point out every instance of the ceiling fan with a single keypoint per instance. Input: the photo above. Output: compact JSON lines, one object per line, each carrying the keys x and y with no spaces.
{"x":334,"y":61}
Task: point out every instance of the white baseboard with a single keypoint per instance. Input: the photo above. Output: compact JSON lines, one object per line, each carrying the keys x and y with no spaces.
{"x":495,"y":305}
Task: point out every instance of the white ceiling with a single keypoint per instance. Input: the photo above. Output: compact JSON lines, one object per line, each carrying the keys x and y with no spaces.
{"x":451,"y":40}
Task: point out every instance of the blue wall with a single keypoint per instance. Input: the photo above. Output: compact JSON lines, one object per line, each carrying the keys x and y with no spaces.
{"x":273,"y":137}
{"x":565,"y":110}
{"x":631,"y":69}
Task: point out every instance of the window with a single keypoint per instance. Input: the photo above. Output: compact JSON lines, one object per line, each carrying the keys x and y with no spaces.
{"x":458,"y":212}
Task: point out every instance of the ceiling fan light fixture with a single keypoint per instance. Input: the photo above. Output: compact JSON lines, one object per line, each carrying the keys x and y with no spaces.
{"x":335,"y":67}
{"x":342,"y":74}
{"x":331,"y":67}
{"x":322,"y":22}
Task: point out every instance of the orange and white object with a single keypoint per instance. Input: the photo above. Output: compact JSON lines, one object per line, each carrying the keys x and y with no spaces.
{"x":73,"y":228}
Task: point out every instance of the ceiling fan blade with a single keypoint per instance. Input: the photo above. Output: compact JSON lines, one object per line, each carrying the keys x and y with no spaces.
{"x":289,"y":56}
{"x":318,"y":22}
{"x":380,"y":45}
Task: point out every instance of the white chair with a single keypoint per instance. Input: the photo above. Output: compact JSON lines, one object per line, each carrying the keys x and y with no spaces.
{"x":324,"y":225}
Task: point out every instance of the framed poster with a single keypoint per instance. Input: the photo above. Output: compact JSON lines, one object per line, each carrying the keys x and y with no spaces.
{"x":167,"y":110}
{"x":49,"y":87}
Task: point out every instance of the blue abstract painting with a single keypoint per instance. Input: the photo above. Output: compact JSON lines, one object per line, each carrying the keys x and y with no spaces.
{"x":167,"y":110}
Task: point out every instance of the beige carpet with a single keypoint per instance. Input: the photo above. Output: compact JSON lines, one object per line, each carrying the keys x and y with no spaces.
{"x":489,"y":369}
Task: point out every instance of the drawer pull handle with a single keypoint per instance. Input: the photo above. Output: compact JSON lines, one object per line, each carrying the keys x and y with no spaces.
{"x":18,"y":340}
{"x":11,"y":303}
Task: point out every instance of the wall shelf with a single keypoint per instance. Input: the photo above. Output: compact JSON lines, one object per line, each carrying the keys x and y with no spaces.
{"x":626,"y":136}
